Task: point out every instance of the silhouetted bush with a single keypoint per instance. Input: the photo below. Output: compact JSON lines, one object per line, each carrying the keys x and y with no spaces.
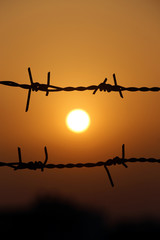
{"x":54,"y":218}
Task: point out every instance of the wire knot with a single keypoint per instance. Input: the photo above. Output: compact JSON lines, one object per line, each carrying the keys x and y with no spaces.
{"x":117,"y":160}
{"x":37,"y":165}
{"x":35,"y":86}
{"x":103,"y":86}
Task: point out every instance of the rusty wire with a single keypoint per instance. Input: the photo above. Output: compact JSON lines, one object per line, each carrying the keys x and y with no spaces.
{"x":42,"y":165}
{"x":47,"y":88}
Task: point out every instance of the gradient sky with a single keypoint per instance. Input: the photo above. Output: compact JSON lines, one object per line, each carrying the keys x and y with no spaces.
{"x":82,"y":42}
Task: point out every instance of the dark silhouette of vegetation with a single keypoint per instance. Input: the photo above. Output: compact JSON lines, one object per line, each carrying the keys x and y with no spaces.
{"x":54,"y":218}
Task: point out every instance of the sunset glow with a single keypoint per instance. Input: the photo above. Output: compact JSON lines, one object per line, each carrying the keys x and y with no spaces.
{"x":73,"y":48}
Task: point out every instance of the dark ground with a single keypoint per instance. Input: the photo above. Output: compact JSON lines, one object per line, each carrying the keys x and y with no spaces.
{"x":53,"y":218}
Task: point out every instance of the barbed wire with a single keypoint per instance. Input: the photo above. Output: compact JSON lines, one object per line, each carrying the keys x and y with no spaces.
{"x":35,"y":86}
{"x":42,"y":165}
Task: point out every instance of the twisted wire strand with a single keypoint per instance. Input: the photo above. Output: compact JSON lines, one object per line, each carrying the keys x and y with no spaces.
{"x":35,"y":86}
{"x":42,"y":165}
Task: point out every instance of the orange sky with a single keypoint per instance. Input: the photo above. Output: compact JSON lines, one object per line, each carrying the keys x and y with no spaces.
{"x":80,"y":43}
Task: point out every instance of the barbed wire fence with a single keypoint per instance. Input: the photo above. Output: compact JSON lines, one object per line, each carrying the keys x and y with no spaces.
{"x":42,"y":165}
{"x":35,"y":86}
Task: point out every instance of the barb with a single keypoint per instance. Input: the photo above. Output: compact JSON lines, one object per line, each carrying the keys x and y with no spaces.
{"x":30,"y":165}
{"x":42,"y":165}
{"x":35,"y":86}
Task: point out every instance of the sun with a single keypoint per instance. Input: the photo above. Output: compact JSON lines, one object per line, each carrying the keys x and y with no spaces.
{"x":78,"y":120}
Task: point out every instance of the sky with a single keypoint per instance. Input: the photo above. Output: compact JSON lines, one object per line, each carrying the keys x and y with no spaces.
{"x":81,"y":42}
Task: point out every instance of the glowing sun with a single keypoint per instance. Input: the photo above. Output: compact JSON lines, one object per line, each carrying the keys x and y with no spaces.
{"x":78,"y":120}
